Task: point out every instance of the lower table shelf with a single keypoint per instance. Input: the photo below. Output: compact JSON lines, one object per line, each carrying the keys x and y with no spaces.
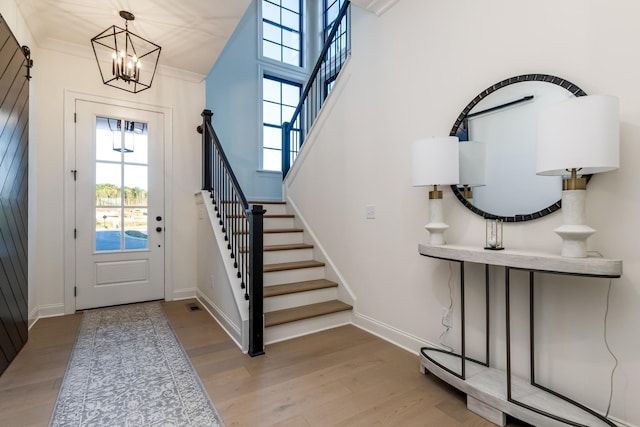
{"x":487,"y":386}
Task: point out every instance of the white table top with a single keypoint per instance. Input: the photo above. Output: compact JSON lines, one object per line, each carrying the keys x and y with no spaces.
{"x":538,"y":261}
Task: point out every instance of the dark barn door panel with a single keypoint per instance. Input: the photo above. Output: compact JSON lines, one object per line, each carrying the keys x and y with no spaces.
{"x":14,"y":139}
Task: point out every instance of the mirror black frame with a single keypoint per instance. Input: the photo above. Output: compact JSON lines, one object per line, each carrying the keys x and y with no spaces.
{"x":572,"y":88}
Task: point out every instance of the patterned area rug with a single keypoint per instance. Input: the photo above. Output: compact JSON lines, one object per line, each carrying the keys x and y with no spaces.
{"x":128,"y":369}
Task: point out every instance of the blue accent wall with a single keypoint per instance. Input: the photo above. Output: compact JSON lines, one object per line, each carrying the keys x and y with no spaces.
{"x":233,"y":94}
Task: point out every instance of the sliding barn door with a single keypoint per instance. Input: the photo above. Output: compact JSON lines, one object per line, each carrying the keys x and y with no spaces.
{"x":14,"y":121}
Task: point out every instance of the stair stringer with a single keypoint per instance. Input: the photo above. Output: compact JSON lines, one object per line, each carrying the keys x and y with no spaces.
{"x":238,"y":332}
{"x":344,"y":291}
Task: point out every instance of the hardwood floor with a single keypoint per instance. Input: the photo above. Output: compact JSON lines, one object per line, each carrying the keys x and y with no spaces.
{"x":340,"y":377}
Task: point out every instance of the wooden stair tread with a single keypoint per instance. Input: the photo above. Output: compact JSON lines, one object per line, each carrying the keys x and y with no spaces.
{"x":287,"y":216}
{"x":275,"y":231}
{"x":289,"y":247}
{"x":295,"y":265}
{"x":288,"y":315}
{"x":284,"y":230}
{"x":292,"y":288}
{"x":272,"y":202}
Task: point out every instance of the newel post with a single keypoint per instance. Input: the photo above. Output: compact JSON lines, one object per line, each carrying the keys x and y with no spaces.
{"x":286,"y":148}
{"x":256,"y":310}
{"x":207,"y":151}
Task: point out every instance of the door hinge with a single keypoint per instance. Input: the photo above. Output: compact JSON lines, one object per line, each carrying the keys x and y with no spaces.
{"x":75,"y":291}
{"x":75,"y":233}
{"x":75,"y":117}
{"x":75,"y":174}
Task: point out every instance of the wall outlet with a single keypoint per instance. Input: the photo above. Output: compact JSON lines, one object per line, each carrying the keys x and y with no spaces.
{"x":447,"y":317}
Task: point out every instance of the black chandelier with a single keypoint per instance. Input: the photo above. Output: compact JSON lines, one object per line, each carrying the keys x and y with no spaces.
{"x":126,"y":60}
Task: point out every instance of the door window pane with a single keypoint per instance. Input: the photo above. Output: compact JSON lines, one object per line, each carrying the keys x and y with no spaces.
{"x":108,"y":237}
{"x":135,"y":229}
{"x":107,"y":132}
{"x":108,"y":184}
{"x":135,"y":185}
{"x":139,"y":143}
{"x":121,"y":185}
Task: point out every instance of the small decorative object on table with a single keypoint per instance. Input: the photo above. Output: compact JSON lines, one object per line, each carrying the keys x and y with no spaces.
{"x":493,"y":234}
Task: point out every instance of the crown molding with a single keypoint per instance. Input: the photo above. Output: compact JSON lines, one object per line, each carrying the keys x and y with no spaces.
{"x":86,"y":52}
{"x":376,"y":6}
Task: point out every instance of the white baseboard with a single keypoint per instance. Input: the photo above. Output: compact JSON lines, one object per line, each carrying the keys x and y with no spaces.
{"x":184,"y":293}
{"x":393,"y":335}
{"x":33,"y":317}
{"x":225,"y":323}
{"x":622,"y":423}
{"x":41,"y":311}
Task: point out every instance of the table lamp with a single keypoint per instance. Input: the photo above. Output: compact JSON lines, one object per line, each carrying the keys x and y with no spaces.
{"x":473,"y":167}
{"x":577,"y":137}
{"x":434,"y":161}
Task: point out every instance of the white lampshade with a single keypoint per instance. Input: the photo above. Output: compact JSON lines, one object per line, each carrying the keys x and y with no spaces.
{"x":582,"y":133}
{"x":434,"y":161}
{"x":473,"y":163}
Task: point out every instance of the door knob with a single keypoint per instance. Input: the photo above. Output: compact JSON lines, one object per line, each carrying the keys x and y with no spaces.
{"x":158,"y":229}
{"x":158,"y":218}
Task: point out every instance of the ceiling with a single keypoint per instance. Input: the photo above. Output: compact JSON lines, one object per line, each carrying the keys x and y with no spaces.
{"x":192,"y":33}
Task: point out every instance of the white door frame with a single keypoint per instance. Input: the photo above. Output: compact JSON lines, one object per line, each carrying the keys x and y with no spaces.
{"x":69,"y":136}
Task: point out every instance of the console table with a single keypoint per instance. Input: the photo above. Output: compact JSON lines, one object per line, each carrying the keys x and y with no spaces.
{"x":493,"y":393}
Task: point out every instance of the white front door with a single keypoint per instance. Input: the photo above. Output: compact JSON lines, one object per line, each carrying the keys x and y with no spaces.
{"x":119,"y":218}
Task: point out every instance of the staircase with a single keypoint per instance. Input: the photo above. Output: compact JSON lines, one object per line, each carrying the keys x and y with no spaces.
{"x":298,"y":299}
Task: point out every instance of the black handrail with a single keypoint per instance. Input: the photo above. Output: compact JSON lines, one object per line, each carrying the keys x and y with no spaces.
{"x":242,"y":227}
{"x":330,"y":63}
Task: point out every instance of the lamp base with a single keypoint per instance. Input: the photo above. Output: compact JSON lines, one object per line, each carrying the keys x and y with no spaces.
{"x":436,"y":226}
{"x":436,"y":232}
{"x":574,"y":232}
{"x":574,"y":240}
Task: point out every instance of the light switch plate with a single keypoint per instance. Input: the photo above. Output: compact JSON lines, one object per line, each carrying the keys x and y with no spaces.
{"x":371,"y":211}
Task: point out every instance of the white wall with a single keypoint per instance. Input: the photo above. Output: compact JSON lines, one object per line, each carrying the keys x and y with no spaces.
{"x":58,"y":72}
{"x":412,"y":71}
{"x":53,"y":73}
{"x":218,"y":287}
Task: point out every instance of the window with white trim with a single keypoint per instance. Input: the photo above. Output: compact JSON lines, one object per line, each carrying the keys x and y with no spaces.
{"x":280,"y":98}
{"x":282,"y":31}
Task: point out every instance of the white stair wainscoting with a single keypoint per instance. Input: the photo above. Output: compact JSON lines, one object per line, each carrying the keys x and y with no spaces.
{"x":298,"y":299}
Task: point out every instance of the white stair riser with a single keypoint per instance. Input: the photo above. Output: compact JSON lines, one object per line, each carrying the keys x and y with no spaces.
{"x":305,"y":327}
{"x":299,"y":298}
{"x":290,"y":276}
{"x":275,"y":209}
{"x":282,"y":238}
{"x":270,"y":223}
{"x":275,"y":257}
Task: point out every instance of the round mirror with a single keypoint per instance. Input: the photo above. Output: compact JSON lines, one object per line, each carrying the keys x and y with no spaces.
{"x":499,"y":160}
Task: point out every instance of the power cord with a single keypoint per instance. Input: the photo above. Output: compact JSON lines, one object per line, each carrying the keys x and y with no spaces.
{"x":447,"y":327}
{"x":606,"y":342}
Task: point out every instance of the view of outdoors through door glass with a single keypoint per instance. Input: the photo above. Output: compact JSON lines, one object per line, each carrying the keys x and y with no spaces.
{"x":121,"y":166}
